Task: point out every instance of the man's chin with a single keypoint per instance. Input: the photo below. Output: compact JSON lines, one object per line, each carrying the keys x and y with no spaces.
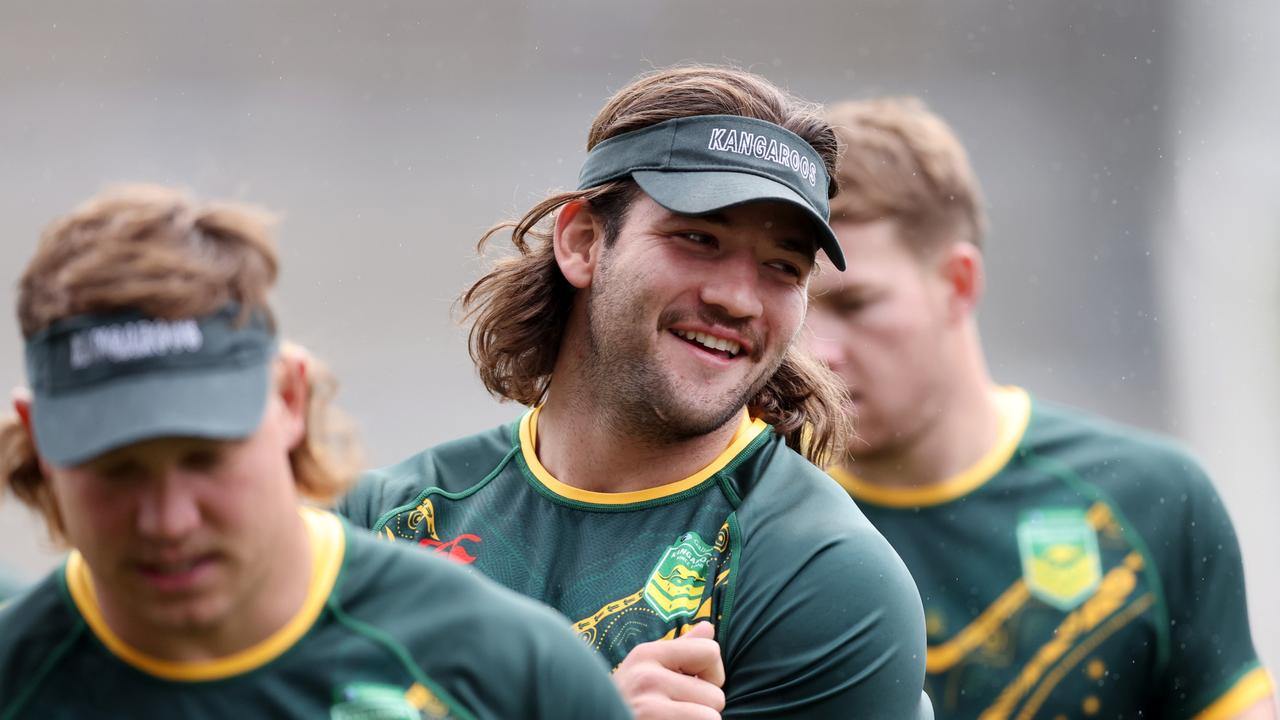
{"x":691,"y":415}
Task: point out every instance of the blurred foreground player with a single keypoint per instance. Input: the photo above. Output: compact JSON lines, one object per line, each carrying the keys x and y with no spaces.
{"x":172,"y":449}
{"x":8,"y":586}
{"x":1069,"y":567}
{"x":649,"y":325}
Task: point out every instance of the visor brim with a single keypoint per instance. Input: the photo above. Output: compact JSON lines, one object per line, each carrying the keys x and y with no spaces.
{"x":78,"y":425}
{"x":701,"y":192}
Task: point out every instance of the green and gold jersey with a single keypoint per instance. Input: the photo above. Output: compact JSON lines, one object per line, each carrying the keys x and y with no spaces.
{"x":384,"y":634}
{"x":9,"y":587}
{"x":815,"y":614}
{"x":1079,"y":570}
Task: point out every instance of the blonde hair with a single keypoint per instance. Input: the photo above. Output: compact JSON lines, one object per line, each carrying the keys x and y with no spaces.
{"x":901,"y":162}
{"x":519,"y":309}
{"x":153,"y":249}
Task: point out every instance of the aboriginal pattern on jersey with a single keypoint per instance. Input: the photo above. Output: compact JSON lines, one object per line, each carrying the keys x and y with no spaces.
{"x":539,"y":537}
{"x":679,"y":607}
{"x":1065,"y":642}
{"x":1041,"y":579}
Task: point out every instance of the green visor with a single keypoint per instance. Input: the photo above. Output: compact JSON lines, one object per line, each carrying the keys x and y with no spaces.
{"x":705,"y":163}
{"x":101,"y":382}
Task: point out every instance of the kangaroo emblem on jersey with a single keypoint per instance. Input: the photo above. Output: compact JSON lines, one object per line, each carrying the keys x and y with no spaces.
{"x":1060,"y":560}
{"x":674,"y":588}
{"x":372,"y":701}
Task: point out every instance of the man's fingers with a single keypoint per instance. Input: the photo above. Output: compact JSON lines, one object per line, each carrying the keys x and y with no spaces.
{"x":701,"y":630}
{"x":688,"y":655}
{"x":713,"y":672}
{"x":654,"y":682}
{"x":675,"y":711}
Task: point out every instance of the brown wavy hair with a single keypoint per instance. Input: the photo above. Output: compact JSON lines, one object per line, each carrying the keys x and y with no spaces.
{"x":519,"y":308}
{"x":155,"y":250}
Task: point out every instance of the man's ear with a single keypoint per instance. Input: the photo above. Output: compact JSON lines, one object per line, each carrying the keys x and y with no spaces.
{"x":294,"y":391}
{"x":22,"y":406}
{"x":964,"y":277}
{"x":579,"y":236}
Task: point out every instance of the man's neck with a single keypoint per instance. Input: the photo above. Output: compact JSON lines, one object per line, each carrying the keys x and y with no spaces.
{"x":965,"y":427}
{"x":271,"y":603}
{"x":963,"y":432}
{"x":581,"y":445}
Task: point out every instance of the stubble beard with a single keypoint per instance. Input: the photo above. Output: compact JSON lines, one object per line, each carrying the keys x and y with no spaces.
{"x":631,"y":390}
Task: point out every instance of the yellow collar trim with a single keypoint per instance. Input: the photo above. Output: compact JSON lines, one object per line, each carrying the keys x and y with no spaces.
{"x":1014,"y":407}
{"x":328,"y":546}
{"x":748,"y":430}
{"x":1248,"y":691}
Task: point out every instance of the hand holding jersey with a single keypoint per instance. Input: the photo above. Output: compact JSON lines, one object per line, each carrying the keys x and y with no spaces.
{"x":676,"y":679}
{"x":169,"y":445}
{"x":647,"y":319}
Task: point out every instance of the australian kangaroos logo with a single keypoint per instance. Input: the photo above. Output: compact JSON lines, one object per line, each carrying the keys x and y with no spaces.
{"x":674,"y":588}
{"x":1060,"y":559}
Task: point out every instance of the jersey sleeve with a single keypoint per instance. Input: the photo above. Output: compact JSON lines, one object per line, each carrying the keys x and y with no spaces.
{"x":573,"y":681}
{"x":829,"y":626}
{"x":538,"y":667}
{"x":362,"y":503}
{"x":1212,"y":663}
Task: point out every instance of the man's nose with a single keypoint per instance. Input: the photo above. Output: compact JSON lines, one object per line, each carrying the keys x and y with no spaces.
{"x":168,"y":509}
{"x":735,"y":287}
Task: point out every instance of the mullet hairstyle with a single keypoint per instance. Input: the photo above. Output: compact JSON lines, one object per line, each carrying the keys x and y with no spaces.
{"x":152,"y":249}
{"x":902,"y":162}
{"x":518,"y":310}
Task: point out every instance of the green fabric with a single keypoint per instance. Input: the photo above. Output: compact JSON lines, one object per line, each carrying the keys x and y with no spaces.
{"x":9,"y":586}
{"x":395,"y":618}
{"x":815,"y":614}
{"x":1162,"y":633}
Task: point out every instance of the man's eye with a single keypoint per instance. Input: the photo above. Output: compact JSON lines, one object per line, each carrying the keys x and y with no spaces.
{"x":125,"y":470}
{"x":699,"y":238}
{"x":852,"y":306}
{"x":787,"y":268}
{"x":203,"y":459}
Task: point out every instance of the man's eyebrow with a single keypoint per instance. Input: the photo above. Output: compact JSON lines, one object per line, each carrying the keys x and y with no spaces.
{"x":843,"y":293}
{"x":808,"y":248}
{"x":715,"y":218}
{"x":797,"y":245}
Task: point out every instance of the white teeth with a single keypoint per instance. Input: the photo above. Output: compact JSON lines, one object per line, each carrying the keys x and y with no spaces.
{"x":710,"y":341}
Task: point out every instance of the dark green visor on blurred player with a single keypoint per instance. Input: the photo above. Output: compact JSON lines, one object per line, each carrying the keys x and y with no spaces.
{"x":702,"y":164}
{"x":101,"y":382}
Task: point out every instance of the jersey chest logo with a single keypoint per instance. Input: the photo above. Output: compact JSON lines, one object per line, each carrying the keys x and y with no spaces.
{"x":674,"y":588}
{"x":373,"y":701}
{"x":1060,"y":559}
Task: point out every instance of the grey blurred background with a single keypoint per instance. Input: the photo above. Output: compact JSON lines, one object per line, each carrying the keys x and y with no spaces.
{"x":1128,"y":150}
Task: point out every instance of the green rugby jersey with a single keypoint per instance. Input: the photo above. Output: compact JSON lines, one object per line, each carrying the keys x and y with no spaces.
{"x":815,"y":614}
{"x":8,"y":587}
{"x":384,"y":634}
{"x":1078,"y":570}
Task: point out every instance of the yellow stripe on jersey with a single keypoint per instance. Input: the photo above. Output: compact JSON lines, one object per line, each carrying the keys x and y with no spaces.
{"x":943,"y":657}
{"x":1014,"y":405}
{"x":1112,"y":595}
{"x":328,"y":544}
{"x":1248,"y":691}
{"x":1051,"y":681}
{"x":748,"y":430}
